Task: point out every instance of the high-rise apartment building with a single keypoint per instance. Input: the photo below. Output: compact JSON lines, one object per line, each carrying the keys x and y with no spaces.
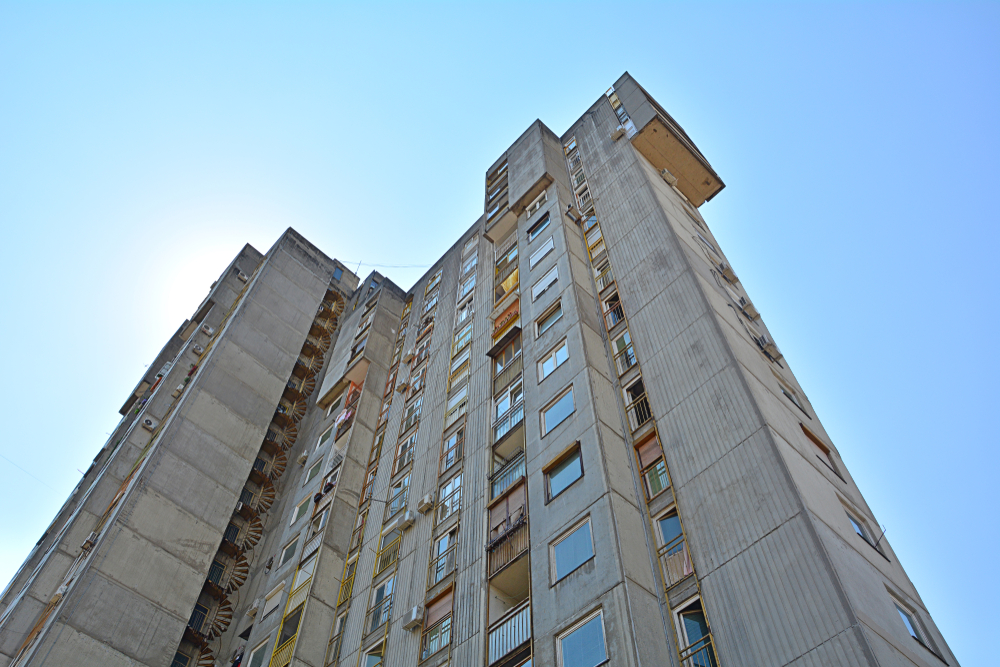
{"x":573,"y":442}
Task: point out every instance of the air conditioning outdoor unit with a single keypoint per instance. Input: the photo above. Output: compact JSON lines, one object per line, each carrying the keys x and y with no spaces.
{"x":242,"y":276}
{"x":770,"y":348}
{"x":207,"y":330}
{"x":408,"y":356}
{"x":406,"y":520}
{"x":302,"y":459}
{"x":728,"y":273}
{"x":198,"y":349}
{"x":668,"y":177}
{"x":177,"y":392}
{"x":414,"y":618}
{"x":89,"y":543}
{"x":149,"y":423}
{"x":748,"y":308}
{"x":252,"y":611}
{"x":618,"y":133}
{"x":426,"y":504}
{"x":402,"y":386}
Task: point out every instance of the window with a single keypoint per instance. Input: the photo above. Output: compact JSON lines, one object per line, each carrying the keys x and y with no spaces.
{"x":300,"y":511}
{"x":335,"y":404}
{"x":572,"y":550}
{"x":272,"y":599}
{"x":417,"y":380}
{"x":692,"y":628}
{"x":621,"y":347}
{"x":709,"y":245}
{"x":654,"y":470}
{"x":465,"y":312}
{"x":338,"y":273}
{"x":381,"y":604}
{"x":259,"y":654}
{"x":398,"y":493}
{"x":451,"y":451}
{"x":470,"y":264}
{"x":563,"y":473}
{"x":909,"y":621}
{"x":462,"y":338}
{"x":290,"y":626}
{"x":327,"y":434}
{"x":305,"y":572}
{"x":539,"y":201}
{"x":508,"y":399}
{"x":583,"y":644}
{"x":550,"y":317}
{"x":471,"y":243}
{"x":404,"y":453}
{"x":822,"y":451}
{"x":860,"y":528}
{"x":288,"y":552}
{"x":557,"y":411}
{"x":180,"y":660}
{"x":319,"y":522}
{"x":449,"y":498}
{"x":546,"y":281}
{"x":443,"y":557}
{"x":433,"y":282}
{"x":412,"y":415}
{"x":467,"y":286}
{"x":430,"y":303}
{"x":311,"y":475}
{"x":553,"y":360}
{"x":460,"y":374}
{"x":507,"y":355}
{"x":541,"y":253}
{"x":373,"y":658}
{"x":456,"y":406}
{"x":790,"y":394}
{"x":538,"y":228}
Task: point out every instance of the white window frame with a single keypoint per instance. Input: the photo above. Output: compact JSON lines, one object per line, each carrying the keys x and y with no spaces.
{"x":299,"y":512}
{"x":551,"y":354}
{"x":553,"y":570}
{"x":260,"y":649}
{"x":911,"y":622}
{"x":541,"y":252}
{"x":465,"y":289}
{"x":293,"y":545}
{"x":471,"y":243}
{"x":274,"y":594}
{"x":548,"y":311}
{"x":433,"y":282}
{"x":576,"y":626}
{"x":551,"y":404}
{"x":310,"y":474}
{"x":457,"y":344}
{"x":474,"y":258}
{"x":535,"y":230}
{"x":324,"y":436}
{"x":679,"y":624}
{"x":537,"y":203}
{"x":545,"y":283}
{"x":466,"y":306}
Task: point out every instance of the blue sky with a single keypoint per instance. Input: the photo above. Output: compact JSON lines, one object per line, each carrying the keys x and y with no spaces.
{"x":142,"y":144}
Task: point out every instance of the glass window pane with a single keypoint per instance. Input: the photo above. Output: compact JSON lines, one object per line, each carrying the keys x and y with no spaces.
{"x":559,"y":411}
{"x":670,"y":527}
{"x":695,"y":626}
{"x":584,"y":647}
{"x":565,"y":474}
{"x":549,"y":319}
{"x":562,"y":354}
{"x":573,"y":551}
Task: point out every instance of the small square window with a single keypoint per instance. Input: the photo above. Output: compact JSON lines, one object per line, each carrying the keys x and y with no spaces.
{"x":311,"y":475}
{"x":544,"y":283}
{"x":550,"y":317}
{"x":557,"y":411}
{"x":563,"y":473}
{"x":471,"y":243}
{"x":258,"y":655}
{"x":909,"y":621}
{"x":538,"y":228}
{"x":571,"y":550}
{"x":288,"y":552}
{"x":327,"y":434}
{"x":541,"y":253}
{"x":583,"y":644}
{"x":861,"y":528}
{"x":300,"y":511}
{"x":338,"y":273}
{"x":553,"y":360}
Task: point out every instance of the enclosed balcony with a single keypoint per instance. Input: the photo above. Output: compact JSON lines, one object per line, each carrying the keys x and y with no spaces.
{"x":509,"y":640}
{"x":505,"y":473}
{"x":508,"y":529}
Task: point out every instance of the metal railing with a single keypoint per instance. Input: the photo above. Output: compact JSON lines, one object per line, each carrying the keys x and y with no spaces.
{"x":357,"y":536}
{"x":215,"y":572}
{"x":675,"y":560}
{"x":397,"y":502}
{"x":508,"y":420}
{"x":509,"y":373}
{"x":449,"y":504}
{"x":333,"y":650}
{"x":638,"y":412}
{"x":442,"y":566}
{"x":260,"y":465}
{"x":311,"y":546}
{"x":510,"y":632}
{"x":614,"y":315}
{"x":506,"y":474}
{"x":197,"y":620}
{"x":387,"y":556}
{"x":232,"y":533}
{"x":283,"y":654}
{"x":624,"y":360}
{"x":346,"y":588}
{"x":605,"y":280}
{"x":508,"y":243}
{"x":699,"y":654}
{"x":379,"y":614}
{"x":504,"y":549}
{"x":435,"y":638}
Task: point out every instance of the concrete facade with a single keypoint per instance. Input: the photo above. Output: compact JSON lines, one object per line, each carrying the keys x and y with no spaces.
{"x":572,"y":442}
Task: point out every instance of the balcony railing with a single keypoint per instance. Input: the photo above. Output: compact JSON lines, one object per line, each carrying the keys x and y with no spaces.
{"x":638,"y":412}
{"x":378,"y":615}
{"x":311,"y":546}
{"x":605,"y":280}
{"x":387,"y":557}
{"x":593,"y":236}
{"x":506,"y":474}
{"x":624,"y":360}
{"x":248,"y":498}
{"x":449,"y":504}
{"x":283,"y":654}
{"x":503,"y":550}
{"x":442,"y":566}
{"x":675,"y":561}
{"x":699,"y":654}
{"x":507,"y":421}
{"x":510,"y":632}
{"x":397,"y":502}
{"x":333,"y":650}
{"x":614,"y":315}
{"x":435,"y":638}
{"x":509,"y":373}
{"x":346,"y":588}
{"x":215,"y":572}
{"x":197,"y":620}
{"x":357,"y":536}
{"x":232,"y":533}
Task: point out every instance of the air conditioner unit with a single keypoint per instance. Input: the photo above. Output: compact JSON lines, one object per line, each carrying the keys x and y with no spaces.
{"x":402,"y":386}
{"x":198,"y":349}
{"x":89,"y":543}
{"x":668,"y":177}
{"x":408,"y":356}
{"x":618,"y":133}
{"x":242,"y":276}
{"x":426,"y":504}
{"x":177,"y":392}
{"x":252,"y":611}
{"x":770,"y":348}
{"x":149,"y":423}
{"x":748,"y":308}
{"x":414,"y":618}
{"x":207,"y":330}
{"x":239,"y":508}
{"x":302,"y":459}
{"x":406,"y":520}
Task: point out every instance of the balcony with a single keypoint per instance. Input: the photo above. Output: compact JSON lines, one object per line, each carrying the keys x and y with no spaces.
{"x":614,"y":315}
{"x":510,"y":633}
{"x":449,"y":505}
{"x":510,"y":373}
{"x":656,"y":479}
{"x":333,"y":650}
{"x":397,"y":503}
{"x":605,"y":280}
{"x":506,"y":474}
{"x":387,"y":557}
{"x":436,"y":638}
{"x":378,"y":615}
{"x":508,"y":421}
{"x":675,"y":560}
{"x":624,"y":360}
{"x":700,"y":654}
{"x":506,"y":280}
{"x":441,"y":566}
{"x":638,"y":412}
{"x":346,"y":588}
{"x":508,"y":547}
